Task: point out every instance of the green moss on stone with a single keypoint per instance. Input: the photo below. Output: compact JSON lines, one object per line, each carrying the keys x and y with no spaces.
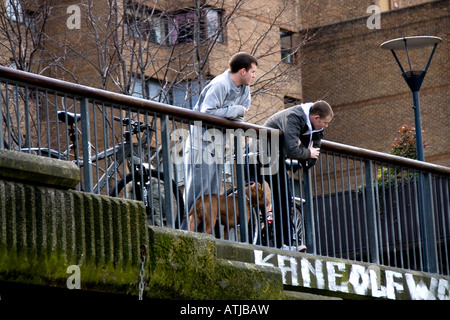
{"x":184,"y":265}
{"x":46,"y":230}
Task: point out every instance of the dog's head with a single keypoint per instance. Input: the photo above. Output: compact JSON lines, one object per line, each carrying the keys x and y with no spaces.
{"x":257,"y":195}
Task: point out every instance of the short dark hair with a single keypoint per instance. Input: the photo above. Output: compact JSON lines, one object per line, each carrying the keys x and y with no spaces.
{"x":241,"y":60}
{"x":322,"y":109}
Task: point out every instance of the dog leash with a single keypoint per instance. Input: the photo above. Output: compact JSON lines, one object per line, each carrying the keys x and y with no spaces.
{"x":142,"y":271}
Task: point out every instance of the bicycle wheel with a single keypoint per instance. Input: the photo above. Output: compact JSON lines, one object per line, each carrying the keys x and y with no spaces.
{"x":267,"y":237}
{"x":254,"y":227}
{"x":156,"y":203}
{"x":117,"y":190}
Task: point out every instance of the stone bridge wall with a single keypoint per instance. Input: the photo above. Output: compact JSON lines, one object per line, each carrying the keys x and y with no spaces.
{"x":53,"y":236}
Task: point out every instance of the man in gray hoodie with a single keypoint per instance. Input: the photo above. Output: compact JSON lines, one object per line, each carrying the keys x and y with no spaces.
{"x":227,"y":96}
{"x":302,"y":126}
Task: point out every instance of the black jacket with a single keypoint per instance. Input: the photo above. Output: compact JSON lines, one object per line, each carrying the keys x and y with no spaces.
{"x":295,"y":125}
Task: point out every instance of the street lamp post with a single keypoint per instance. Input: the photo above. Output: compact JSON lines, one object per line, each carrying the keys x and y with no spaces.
{"x":414,"y":79}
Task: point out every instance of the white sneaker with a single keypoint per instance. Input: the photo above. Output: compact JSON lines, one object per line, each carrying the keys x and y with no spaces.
{"x":301,"y":248}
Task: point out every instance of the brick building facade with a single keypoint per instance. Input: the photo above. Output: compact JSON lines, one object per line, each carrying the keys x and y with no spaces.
{"x":339,"y":60}
{"x":346,"y":66}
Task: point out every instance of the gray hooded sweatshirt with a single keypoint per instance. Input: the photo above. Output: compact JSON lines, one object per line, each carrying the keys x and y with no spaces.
{"x":221,"y":98}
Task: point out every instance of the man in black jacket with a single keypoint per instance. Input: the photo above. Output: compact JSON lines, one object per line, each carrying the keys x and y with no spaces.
{"x":302,"y":126}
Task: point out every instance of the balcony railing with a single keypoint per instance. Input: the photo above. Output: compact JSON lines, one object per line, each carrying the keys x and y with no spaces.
{"x":354,"y":203}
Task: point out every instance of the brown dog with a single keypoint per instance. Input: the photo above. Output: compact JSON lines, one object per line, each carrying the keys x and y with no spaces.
{"x":207,"y":210}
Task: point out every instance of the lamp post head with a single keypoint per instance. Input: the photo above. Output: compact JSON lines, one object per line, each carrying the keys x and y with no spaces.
{"x":413,"y":78}
{"x":406,"y":43}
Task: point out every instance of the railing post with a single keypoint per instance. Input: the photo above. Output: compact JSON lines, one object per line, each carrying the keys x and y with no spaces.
{"x":372,"y":214}
{"x":167,"y":169}
{"x":2,"y":137}
{"x":240,"y":180}
{"x":427,"y":217}
{"x":86,"y":145}
{"x":309,"y":213}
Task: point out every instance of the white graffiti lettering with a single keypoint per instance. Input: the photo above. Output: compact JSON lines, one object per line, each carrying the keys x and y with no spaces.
{"x":356,"y":278}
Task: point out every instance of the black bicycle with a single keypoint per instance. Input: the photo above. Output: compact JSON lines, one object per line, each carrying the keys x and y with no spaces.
{"x":134,"y":157}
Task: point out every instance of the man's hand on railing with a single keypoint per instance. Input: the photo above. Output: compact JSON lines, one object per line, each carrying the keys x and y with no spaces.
{"x":315,"y":152}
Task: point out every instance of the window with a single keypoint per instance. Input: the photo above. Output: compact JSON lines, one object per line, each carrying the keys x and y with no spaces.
{"x":30,"y":20}
{"x":182,"y":26}
{"x":290,"y":102}
{"x":185,"y":25}
{"x":144,"y":22}
{"x":14,"y":10}
{"x":183,"y":94}
{"x":156,"y":92}
{"x":214,"y":24}
{"x":153,"y":90}
{"x":286,"y":46}
{"x":136,"y":85}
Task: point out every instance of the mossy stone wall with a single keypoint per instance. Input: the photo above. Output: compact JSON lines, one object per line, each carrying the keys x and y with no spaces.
{"x":45,"y":227}
{"x":45,"y":230}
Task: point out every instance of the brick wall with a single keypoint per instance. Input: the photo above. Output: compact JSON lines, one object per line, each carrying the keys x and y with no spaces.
{"x":346,"y":66}
{"x":342,"y":63}
{"x":319,"y":13}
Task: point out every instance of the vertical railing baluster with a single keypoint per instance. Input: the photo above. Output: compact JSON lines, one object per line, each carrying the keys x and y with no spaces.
{"x":167,"y":169}
{"x":2,"y":135}
{"x":238,"y":150}
{"x":371,"y":214}
{"x":309,"y":213}
{"x":427,"y":217}
{"x":86,"y":145}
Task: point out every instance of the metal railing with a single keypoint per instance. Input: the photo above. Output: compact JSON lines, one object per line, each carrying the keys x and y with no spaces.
{"x":354,"y":203}
{"x":374,"y":207}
